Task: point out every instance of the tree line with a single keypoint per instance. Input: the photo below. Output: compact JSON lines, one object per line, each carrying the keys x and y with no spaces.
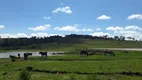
{"x":4,"y":42}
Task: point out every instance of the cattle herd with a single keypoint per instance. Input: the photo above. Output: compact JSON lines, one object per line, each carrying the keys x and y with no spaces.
{"x":86,"y":52}
{"x":83,"y":52}
{"x":26,"y":55}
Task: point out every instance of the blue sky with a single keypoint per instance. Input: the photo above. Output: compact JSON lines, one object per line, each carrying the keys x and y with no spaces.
{"x":96,"y":17}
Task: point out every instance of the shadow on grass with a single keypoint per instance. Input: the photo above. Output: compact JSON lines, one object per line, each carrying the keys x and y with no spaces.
{"x":129,"y":73}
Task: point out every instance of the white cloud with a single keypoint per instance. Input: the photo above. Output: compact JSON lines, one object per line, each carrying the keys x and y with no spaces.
{"x":44,"y":34}
{"x":100,"y":34}
{"x":98,"y":29}
{"x":118,"y":28}
{"x":40,"y":28}
{"x":2,"y":26}
{"x":47,"y":17}
{"x":135,"y":16}
{"x":8,"y":35}
{"x":20,"y":35}
{"x":73,"y":28}
{"x":127,"y":31}
{"x":68,"y":28}
{"x":104,"y":17}
{"x":87,"y":30}
{"x":112,"y":28}
{"x":133,"y":27}
{"x":66,"y":9}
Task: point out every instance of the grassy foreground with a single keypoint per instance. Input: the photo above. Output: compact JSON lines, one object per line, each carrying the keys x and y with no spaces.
{"x":75,"y":67}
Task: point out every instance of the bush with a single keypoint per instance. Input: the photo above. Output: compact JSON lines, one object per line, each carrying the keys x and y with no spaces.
{"x":24,"y":75}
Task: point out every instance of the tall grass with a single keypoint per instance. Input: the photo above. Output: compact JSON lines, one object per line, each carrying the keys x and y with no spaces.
{"x":24,"y":75}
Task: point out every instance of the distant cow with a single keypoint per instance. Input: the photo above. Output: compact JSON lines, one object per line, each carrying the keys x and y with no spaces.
{"x":25,"y":56}
{"x":83,"y":52}
{"x":43,"y":53}
{"x":13,"y":57}
{"x":53,"y":53}
{"x":18,"y":55}
{"x":107,"y":52}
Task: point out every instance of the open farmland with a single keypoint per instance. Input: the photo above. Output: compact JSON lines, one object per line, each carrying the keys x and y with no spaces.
{"x":124,"y":66}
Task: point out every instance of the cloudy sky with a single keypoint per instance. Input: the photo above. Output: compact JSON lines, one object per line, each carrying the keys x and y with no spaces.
{"x":25,"y":18}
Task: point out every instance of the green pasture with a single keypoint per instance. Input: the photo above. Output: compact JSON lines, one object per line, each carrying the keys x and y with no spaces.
{"x":73,"y":64}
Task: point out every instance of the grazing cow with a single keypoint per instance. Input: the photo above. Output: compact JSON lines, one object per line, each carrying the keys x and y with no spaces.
{"x":43,"y":53}
{"x":109,"y":52}
{"x":95,"y":51}
{"x":83,"y":52}
{"x":13,"y":58}
{"x":53,"y":53}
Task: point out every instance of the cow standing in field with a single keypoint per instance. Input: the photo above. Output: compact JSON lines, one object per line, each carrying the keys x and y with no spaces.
{"x":25,"y":56}
{"x":109,"y":52}
{"x":13,"y":58}
{"x":83,"y":52}
{"x":43,"y":54}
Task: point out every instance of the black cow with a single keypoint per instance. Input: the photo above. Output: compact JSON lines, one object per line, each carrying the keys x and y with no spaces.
{"x":13,"y":58}
{"x":83,"y":52}
{"x":43,"y":53}
{"x":109,"y":52}
{"x":18,"y":55}
{"x":25,"y":56}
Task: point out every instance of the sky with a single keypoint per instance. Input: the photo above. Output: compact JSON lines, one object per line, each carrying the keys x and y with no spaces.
{"x":27,"y":18}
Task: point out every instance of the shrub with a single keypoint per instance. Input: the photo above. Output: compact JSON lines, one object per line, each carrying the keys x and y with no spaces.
{"x":24,"y":75}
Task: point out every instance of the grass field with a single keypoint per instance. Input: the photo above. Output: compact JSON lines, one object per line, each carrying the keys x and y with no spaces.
{"x":124,"y":66}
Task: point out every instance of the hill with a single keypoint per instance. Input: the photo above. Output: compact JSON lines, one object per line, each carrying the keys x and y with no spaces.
{"x":78,"y":43}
